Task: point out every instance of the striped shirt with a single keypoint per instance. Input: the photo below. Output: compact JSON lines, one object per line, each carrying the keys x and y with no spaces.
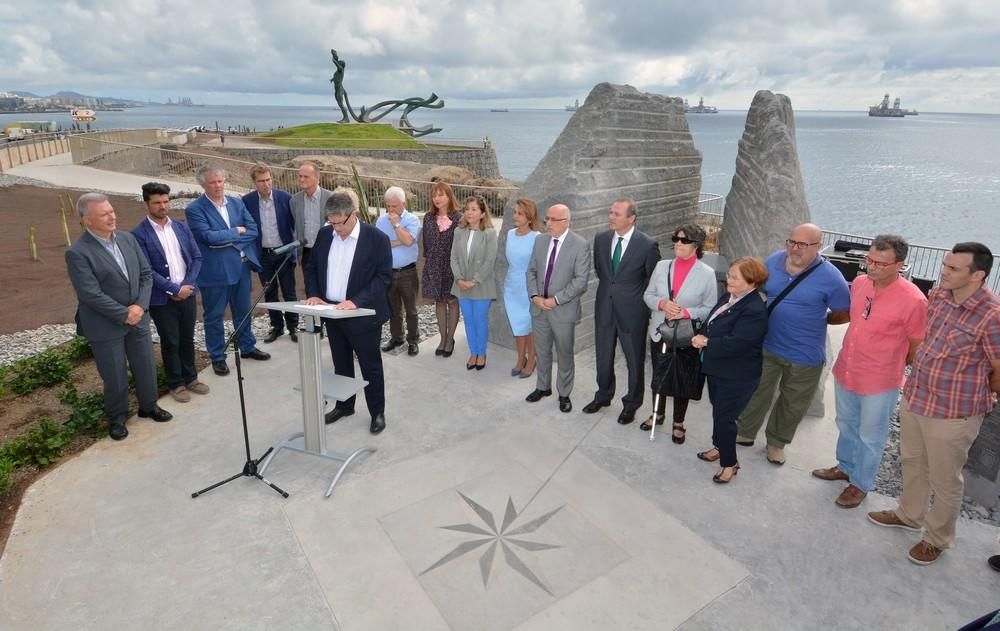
{"x":951,"y":371}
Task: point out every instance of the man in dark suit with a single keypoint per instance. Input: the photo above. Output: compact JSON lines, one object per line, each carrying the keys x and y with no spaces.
{"x":112,"y":280}
{"x":227,"y":236}
{"x":351,"y":267}
{"x":557,"y":278}
{"x":623,"y":270}
{"x":175,"y":261}
{"x":271,"y":210}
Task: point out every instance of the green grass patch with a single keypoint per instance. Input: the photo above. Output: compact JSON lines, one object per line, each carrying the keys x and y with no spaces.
{"x":341,"y":136}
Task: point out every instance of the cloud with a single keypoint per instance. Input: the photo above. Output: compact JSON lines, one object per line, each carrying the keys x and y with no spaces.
{"x":821,"y":53}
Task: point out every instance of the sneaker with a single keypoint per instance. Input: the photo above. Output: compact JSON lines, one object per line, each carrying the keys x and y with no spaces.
{"x":889,"y":519}
{"x":180,"y":394}
{"x":924,"y":553}
{"x":776,"y":455}
{"x":197,"y":387}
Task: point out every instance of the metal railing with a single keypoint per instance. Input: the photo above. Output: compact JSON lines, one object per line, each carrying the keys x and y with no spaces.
{"x":172,"y":164}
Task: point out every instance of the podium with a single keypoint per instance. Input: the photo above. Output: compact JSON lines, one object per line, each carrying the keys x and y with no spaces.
{"x":317,"y":387}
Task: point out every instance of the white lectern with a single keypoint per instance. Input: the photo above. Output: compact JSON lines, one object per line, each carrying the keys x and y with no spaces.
{"x":317,"y":386}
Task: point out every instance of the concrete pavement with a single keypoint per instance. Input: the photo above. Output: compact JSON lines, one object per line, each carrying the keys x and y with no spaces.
{"x":60,"y":171}
{"x":478,"y":511}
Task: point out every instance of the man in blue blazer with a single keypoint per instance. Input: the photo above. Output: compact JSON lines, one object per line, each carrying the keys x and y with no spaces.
{"x":351,"y":267}
{"x":175,"y":261}
{"x":227,"y":236}
{"x":113,"y":284}
{"x":271,"y":210}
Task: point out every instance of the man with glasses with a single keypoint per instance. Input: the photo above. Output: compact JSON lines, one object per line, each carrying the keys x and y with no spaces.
{"x":951,"y":387}
{"x":557,"y":278}
{"x":270,"y":208}
{"x":403,"y":228}
{"x":888,"y":318}
{"x":351,"y":268}
{"x":795,"y":346}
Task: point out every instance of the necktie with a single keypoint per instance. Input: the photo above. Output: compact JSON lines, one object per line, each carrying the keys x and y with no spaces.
{"x":548,"y":268}
{"x":616,"y":258}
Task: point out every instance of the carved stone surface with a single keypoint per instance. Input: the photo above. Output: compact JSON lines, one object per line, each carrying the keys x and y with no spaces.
{"x":620,"y":143}
{"x":767,"y":198}
{"x":982,"y":471}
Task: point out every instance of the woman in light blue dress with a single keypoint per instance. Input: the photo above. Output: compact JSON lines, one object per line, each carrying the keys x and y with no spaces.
{"x":520,"y":242}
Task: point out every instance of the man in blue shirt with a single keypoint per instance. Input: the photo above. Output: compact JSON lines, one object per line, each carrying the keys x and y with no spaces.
{"x":795,"y":346}
{"x":402,"y":228}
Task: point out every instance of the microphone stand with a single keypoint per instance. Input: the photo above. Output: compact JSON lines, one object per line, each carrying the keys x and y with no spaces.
{"x":250,"y":469}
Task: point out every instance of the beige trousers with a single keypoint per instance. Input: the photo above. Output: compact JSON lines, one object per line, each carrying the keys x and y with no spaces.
{"x":933,"y":452}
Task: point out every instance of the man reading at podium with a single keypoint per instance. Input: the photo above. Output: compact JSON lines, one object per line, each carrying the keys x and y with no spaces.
{"x":350,"y":268}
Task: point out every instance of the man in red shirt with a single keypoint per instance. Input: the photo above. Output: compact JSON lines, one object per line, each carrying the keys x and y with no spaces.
{"x":956,"y":372}
{"x":888,"y":318}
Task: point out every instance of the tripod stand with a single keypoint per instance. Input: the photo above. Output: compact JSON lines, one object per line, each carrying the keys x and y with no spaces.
{"x":250,"y":469}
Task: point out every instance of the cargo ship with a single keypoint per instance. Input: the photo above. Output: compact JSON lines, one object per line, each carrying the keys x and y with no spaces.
{"x":700,"y":108}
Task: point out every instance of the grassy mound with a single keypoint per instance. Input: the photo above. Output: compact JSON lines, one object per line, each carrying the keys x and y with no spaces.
{"x":341,"y":136}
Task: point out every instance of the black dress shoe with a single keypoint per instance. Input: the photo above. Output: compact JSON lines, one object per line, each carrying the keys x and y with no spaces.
{"x":221,"y":368}
{"x":257,"y":354}
{"x":536,"y":395}
{"x":626,"y":417}
{"x":412,"y":349}
{"x":392,"y":345}
{"x":378,"y":423}
{"x":293,"y":334}
{"x":158,"y":414}
{"x":273,"y":334}
{"x":336,"y":414}
{"x":117,"y":431}
{"x":565,"y":405}
{"x":595,"y":406}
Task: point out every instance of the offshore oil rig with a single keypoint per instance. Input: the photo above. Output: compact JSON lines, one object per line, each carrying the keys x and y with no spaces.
{"x":883,"y":109}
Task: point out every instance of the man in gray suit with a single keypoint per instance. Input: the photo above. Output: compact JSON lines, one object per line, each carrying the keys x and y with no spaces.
{"x":557,"y":278}
{"x":113,"y":282}
{"x":308,"y":209}
{"x":623,"y":270}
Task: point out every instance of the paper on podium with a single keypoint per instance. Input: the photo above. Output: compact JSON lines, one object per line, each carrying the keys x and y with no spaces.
{"x":323,"y":311}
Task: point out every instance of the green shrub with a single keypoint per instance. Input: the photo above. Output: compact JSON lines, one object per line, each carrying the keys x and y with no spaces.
{"x":86,"y":411}
{"x":47,"y":368}
{"x":41,"y":444}
{"x":78,"y":348}
{"x":6,"y":469}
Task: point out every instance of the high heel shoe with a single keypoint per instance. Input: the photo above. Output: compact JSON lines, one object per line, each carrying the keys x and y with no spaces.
{"x":711,"y":455}
{"x":469,"y":365}
{"x":647,"y":425}
{"x":516,"y":371}
{"x":526,"y":373}
{"x":482,"y":365}
{"x":719,"y":478}
{"x":449,"y":349}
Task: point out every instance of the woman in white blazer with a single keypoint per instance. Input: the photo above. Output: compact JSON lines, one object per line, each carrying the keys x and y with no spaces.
{"x":680,"y":288}
{"x":473,"y":260}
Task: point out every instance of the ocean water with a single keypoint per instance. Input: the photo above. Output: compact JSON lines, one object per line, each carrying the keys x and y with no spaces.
{"x":934,"y":178}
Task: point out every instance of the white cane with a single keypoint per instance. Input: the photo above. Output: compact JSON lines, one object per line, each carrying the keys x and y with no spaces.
{"x":656,"y":398}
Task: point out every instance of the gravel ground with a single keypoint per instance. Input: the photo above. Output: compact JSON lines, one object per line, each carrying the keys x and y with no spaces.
{"x":13,"y":180}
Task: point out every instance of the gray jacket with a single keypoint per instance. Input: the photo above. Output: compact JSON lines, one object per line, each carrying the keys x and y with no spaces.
{"x":478,"y":264}
{"x":698,"y":294}
{"x":569,"y":278}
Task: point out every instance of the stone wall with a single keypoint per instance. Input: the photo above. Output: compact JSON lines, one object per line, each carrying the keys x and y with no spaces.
{"x":982,"y":471}
{"x":620,"y":143}
{"x":767,"y":198}
{"x":481,"y":161}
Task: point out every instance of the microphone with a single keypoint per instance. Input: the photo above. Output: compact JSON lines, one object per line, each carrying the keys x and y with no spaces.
{"x":287,"y":247}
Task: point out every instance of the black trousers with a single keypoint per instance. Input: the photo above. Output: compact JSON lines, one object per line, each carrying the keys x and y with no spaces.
{"x":349,"y":338}
{"x":634,"y":348}
{"x":728,"y":397}
{"x":285,"y":282}
{"x":403,"y":297}
{"x":175,"y":324}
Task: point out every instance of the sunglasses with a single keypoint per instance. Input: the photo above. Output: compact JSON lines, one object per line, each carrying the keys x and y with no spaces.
{"x":683,"y":240}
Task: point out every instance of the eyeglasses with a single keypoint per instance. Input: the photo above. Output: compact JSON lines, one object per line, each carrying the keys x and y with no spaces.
{"x":554,"y":219}
{"x":868,"y":308}
{"x":870,"y":262}
{"x":799,"y":245}
{"x":683,"y":240}
{"x":338,"y":223}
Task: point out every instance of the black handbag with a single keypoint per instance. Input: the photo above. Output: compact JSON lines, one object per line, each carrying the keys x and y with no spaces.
{"x":677,"y":373}
{"x":677,"y":333}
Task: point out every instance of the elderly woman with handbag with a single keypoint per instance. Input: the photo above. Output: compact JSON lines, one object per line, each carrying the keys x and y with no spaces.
{"x":681,"y":292}
{"x":731,"y":343}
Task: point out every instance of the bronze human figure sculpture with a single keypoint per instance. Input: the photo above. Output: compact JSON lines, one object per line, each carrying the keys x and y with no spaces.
{"x":338,"y":85}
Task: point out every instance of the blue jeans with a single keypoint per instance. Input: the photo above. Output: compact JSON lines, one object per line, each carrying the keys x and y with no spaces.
{"x":476,"y":314}
{"x":214,"y":301}
{"x":863,"y":422}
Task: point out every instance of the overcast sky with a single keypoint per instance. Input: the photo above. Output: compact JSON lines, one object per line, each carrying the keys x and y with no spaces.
{"x":938,"y":56}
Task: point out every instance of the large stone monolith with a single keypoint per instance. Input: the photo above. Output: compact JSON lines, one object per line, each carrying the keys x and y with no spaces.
{"x":620,"y":143}
{"x":767,"y":198}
